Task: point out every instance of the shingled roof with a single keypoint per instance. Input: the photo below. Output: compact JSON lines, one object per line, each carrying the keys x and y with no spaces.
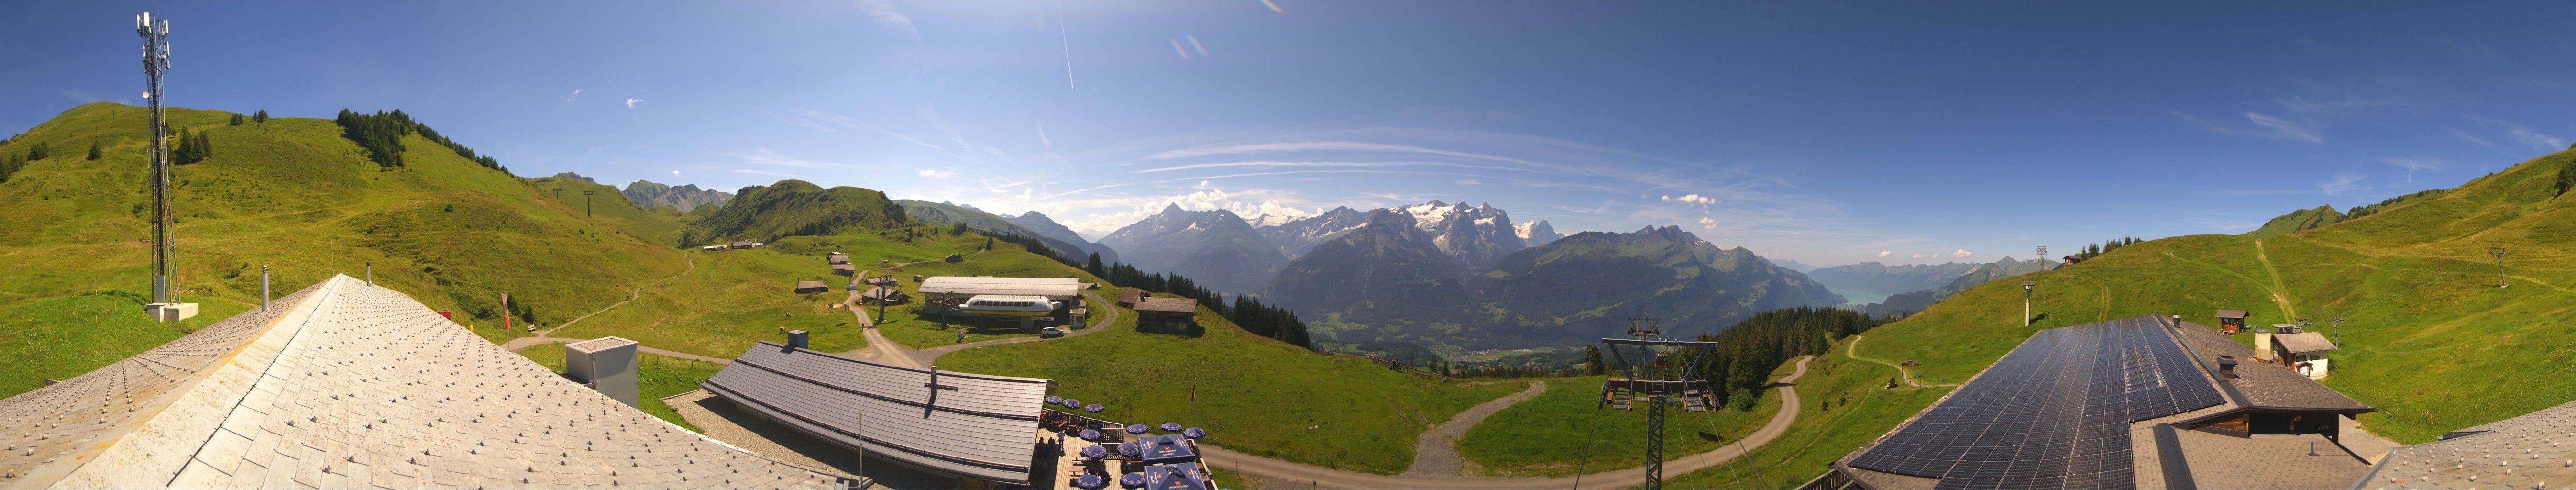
{"x":349,"y":385}
{"x":2536,"y":450}
{"x":2304,"y":342}
{"x":2266,"y":386}
{"x":985,"y":428}
{"x":1167,"y":305}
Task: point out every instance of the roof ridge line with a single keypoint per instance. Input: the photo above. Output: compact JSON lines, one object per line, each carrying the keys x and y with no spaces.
{"x":300,"y":310}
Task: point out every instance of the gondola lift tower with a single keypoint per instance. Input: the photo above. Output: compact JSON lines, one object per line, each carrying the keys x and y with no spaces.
{"x":1660,"y":382}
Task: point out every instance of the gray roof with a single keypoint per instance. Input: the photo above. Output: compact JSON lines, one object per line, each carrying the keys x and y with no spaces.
{"x":985,"y":429}
{"x":1052,"y":287}
{"x":811,"y":284}
{"x":2304,"y":342}
{"x":348,"y":385}
{"x":1167,"y":305}
{"x":2266,"y":386}
{"x":2236,"y":314}
{"x":2536,"y":450}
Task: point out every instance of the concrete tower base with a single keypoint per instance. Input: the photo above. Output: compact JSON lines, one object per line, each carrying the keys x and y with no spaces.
{"x":170,"y":312}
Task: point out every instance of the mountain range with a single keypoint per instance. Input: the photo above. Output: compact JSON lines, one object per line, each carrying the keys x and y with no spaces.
{"x":947,"y":214}
{"x":1215,"y":248}
{"x":684,"y":197}
{"x":1878,"y":279}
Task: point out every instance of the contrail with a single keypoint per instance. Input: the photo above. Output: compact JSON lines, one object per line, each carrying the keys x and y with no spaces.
{"x":1068,"y":45}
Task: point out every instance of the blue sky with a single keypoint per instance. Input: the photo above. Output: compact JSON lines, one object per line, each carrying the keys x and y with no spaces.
{"x":1826,"y":132}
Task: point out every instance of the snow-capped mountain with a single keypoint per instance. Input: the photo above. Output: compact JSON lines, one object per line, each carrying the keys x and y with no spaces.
{"x":1296,"y":236}
{"x":1476,"y":235}
{"x":1537,"y":233}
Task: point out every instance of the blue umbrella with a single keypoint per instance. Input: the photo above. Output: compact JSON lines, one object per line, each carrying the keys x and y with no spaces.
{"x":1132,"y":480}
{"x":1055,"y":400}
{"x":1130,"y":449}
{"x":1093,"y":408}
{"x":1094,"y":452}
{"x":1194,"y":433}
{"x":1171,"y":427}
{"x":1090,"y":435}
{"x":1090,"y":482}
{"x":1072,"y":403}
{"x":1137,"y":429}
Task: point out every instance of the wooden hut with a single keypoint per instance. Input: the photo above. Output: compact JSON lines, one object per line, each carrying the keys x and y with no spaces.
{"x":844,"y":269}
{"x":812,"y":287}
{"x":1128,"y":299}
{"x":1166,"y":315}
{"x":836,"y":258}
{"x":2231,"y":321}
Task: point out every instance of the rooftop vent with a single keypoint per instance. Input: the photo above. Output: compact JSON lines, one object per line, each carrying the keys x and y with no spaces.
{"x":605,"y":364}
{"x":2227,"y":366}
{"x":796,"y":339}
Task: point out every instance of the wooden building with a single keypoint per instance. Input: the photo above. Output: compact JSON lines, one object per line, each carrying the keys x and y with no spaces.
{"x":812,"y":287}
{"x":844,"y":269}
{"x":1167,"y":315}
{"x":2303,"y":352}
{"x":836,"y":258}
{"x":2231,"y":321}
{"x":2073,"y":259}
{"x":1128,"y":299}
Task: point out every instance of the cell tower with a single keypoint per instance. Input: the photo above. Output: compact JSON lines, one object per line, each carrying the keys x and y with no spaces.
{"x":165,"y":249}
{"x":1659,"y":382}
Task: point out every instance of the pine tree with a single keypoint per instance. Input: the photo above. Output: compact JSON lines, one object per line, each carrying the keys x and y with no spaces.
{"x":39,"y":151}
{"x":93,"y":151}
{"x":1093,"y":266}
{"x":260,"y":117}
{"x":1592,"y":362}
{"x":237,"y":120}
{"x":187,"y":147}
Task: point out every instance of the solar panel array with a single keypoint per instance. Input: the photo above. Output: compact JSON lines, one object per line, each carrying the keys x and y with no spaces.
{"x":2054,"y":413}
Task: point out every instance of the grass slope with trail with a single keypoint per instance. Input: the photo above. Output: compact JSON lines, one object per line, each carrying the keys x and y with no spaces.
{"x":295,"y":195}
{"x":1550,"y":434}
{"x":2431,"y":341}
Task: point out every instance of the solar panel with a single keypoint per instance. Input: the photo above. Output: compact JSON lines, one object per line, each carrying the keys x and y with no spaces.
{"x":2053,"y":413}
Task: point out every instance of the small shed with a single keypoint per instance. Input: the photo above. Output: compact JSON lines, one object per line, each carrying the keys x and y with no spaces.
{"x":2231,"y":321}
{"x":812,"y":287}
{"x":836,"y":258}
{"x":1166,"y":315}
{"x":1128,"y":299}
{"x":844,"y":269}
{"x":2304,"y":352}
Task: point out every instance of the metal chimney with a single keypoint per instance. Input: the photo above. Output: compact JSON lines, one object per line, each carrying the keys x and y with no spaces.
{"x":796,"y":339}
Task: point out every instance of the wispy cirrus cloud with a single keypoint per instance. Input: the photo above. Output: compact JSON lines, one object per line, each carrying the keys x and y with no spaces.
{"x":2519,"y":134}
{"x":893,"y":19}
{"x":2414,"y":164}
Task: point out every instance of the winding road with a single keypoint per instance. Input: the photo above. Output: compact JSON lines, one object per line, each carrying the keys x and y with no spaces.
{"x":1287,"y":474}
{"x":1436,"y":454}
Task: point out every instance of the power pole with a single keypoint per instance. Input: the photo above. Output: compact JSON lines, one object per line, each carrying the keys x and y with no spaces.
{"x":2337,"y":325}
{"x":2498,"y":252}
{"x":585,"y":204}
{"x":156,"y":59}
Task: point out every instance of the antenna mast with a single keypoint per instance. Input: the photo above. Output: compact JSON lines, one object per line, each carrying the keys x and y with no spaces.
{"x":156,"y":59}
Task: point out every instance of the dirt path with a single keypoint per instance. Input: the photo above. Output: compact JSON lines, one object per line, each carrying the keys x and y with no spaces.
{"x":1286,"y":474}
{"x":881,"y":349}
{"x":543,"y":336}
{"x":1853,"y":351}
{"x":1436,"y":454}
{"x":2280,"y":290}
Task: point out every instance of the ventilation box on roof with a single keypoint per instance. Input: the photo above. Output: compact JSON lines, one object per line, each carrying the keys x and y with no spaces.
{"x":606,"y":365}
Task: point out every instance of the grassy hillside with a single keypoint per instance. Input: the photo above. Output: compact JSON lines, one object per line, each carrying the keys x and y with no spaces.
{"x":1254,"y":394}
{"x":1532,"y":438}
{"x":294,"y":195}
{"x":2297,"y":221}
{"x":1844,"y":403}
{"x":2431,"y":341}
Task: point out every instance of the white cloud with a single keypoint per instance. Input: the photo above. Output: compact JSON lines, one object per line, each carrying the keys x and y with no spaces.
{"x":2284,"y":129}
{"x":1692,"y":199}
{"x":765,"y":172}
{"x":1246,"y":203}
{"x":1883,"y":253}
{"x":2472,"y":139}
{"x":1922,"y":256}
{"x":1962,"y":253}
{"x":886,"y":15}
{"x":2343,"y":183}
{"x":935,"y":173}
{"x":1707,"y":224}
{"x":630,"y":103}
{"x":575,"y":93}
{"x":1469,"y":182}
{"x":675,"y":173}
